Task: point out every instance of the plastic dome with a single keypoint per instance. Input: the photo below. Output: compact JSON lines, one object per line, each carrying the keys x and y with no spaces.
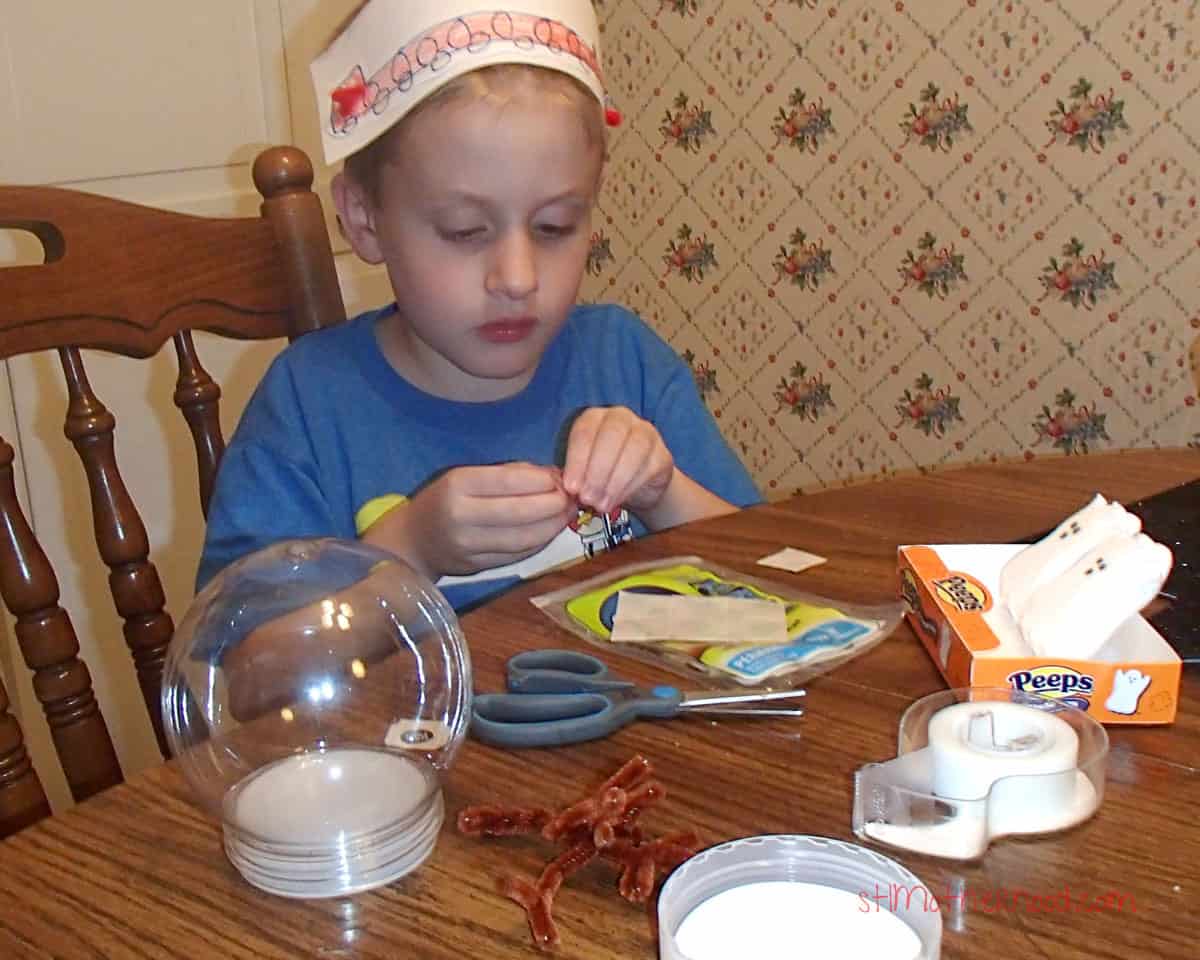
{"x":314,"y":695}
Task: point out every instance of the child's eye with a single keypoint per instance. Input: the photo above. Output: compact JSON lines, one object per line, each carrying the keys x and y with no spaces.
{"x":555,"y":230}
{"x":463,"y":236}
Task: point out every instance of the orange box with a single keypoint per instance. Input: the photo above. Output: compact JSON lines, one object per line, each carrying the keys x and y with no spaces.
{"x":949,"y":596}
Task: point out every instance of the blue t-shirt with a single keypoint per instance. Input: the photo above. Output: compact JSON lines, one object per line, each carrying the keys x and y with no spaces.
{"x":333,"y":426}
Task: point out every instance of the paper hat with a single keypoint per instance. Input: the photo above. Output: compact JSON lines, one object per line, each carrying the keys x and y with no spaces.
{"x":395,"y":53}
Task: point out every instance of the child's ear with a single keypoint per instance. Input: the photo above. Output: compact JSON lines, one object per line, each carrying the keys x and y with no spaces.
{"x":356,"y":216}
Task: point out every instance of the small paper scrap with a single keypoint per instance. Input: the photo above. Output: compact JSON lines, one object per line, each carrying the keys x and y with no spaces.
{"x":643,"y":617}
{"x":792,"y":560}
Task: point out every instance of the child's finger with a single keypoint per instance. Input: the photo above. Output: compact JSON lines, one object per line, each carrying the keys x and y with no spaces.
{"x":515,"y":543}
{"x":579,"y":449}
{"x":627,"y":472}
{"x":507,"y":480}
{"x":521,"y":510}
{"x":607,"y":444}
{"x":511,"y":541}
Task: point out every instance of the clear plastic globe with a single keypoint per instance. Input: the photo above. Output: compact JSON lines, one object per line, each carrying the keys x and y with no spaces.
{"x":314,"y":695}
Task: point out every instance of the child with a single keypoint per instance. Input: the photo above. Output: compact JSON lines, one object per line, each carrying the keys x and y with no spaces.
{"x":483,"y":427}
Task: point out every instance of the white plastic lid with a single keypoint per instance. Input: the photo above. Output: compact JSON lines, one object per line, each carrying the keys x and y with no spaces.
{"x":786,"y":896}
{"x":319,"y":798}
{"x":333,"y":822}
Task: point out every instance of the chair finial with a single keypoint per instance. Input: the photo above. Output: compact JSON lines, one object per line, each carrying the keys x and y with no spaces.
{"x":281,"y":170}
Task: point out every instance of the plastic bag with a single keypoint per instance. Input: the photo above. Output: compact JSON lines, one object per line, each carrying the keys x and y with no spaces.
{"x":823,"y":633}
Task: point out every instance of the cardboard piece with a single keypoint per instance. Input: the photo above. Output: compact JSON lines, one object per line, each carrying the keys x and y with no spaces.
{"x":649,"y":617}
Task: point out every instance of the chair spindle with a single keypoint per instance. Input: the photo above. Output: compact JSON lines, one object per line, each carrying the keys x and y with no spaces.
{"x":22,"y":799}
{"x":50,"y":648}
{"x":198,"y":396}
{"x":121,"y":537}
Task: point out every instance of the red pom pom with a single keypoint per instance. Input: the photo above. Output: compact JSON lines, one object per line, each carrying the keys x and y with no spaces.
{"x":612,"y":116}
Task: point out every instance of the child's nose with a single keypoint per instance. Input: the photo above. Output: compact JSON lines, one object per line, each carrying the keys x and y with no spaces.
{"x":514,"y":269}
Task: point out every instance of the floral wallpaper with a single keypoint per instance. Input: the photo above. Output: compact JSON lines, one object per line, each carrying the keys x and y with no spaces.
{"x":894,"y":235}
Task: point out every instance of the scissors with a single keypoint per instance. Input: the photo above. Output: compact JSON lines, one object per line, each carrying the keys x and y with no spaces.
{"x":562,"y":696}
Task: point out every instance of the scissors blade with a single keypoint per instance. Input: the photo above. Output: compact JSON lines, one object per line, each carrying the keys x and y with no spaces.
{"x":693,"y":702}
{"x":751,"y":711}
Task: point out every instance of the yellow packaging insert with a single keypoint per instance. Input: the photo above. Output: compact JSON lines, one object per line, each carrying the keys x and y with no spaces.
{"x":822,"y":633}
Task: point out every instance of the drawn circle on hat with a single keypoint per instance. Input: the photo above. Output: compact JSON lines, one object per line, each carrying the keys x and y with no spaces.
{"x":543,"y":32}
{"x":480,"y":41}
{"x":498,"y":19}
{"x":430,"y":54}
{"x":456,"y":33}
{"x":378,"y":99}
{"x":525,"y":41}
{"x":402,"y":79}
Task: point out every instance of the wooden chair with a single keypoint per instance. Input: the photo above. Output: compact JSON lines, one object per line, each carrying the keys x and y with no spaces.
{"x":125,"y":278}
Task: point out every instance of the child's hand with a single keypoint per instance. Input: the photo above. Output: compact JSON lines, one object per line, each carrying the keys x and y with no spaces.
{"x":477,"y":518}
{"x":614,"y":459}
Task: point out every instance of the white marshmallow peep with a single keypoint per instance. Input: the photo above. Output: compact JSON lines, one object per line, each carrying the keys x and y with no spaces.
{"x":1074,"y":614}
{"x":1053,"y":555}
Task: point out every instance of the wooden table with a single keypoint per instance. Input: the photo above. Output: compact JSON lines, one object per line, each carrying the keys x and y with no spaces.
{"x":138,"y":872}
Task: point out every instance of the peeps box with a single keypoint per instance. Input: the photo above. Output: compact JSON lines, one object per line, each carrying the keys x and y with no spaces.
{"x":950,"y":596}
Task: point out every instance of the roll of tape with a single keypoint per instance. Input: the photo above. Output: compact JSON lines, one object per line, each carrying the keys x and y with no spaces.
{"x":994,"y":764}
{"x":1020,"y":755}
{"x":1021,"y":759}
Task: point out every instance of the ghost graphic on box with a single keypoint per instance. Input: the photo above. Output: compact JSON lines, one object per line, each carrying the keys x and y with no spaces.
{"x":1127,"y":689}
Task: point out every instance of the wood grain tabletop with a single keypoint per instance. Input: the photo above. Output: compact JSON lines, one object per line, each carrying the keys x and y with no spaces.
{"x":139,"y":871}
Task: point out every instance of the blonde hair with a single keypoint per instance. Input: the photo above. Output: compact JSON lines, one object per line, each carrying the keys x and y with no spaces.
{"x":487,"y":83}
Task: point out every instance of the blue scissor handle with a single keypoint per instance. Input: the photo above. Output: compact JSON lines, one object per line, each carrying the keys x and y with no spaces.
{"x":553,"y":719}
{"x":560,"y":671}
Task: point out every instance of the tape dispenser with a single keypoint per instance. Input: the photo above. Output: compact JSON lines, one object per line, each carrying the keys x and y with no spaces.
{"x":979,"y":763}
